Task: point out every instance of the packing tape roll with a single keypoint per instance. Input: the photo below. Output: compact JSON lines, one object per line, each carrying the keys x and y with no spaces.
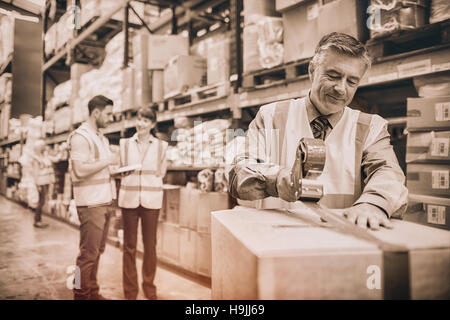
{"x":313,"y":155}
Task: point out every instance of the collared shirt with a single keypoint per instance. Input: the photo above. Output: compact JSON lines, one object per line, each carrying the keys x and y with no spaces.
{"x":313,"y":113}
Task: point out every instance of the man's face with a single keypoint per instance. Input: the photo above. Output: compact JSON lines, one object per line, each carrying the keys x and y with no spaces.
{"x":335,"y":80}
{"x":104,"y":117}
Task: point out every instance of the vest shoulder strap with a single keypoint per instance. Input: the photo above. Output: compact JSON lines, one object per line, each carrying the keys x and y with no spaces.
{"x":124,"y":147}
{"x":362,"y":131}
{"x":92,"y":145}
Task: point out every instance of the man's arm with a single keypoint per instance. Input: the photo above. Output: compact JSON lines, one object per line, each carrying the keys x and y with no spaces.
{"x":384,"y":195}
{"x":80,"y":161}
{"x":383,"y":178}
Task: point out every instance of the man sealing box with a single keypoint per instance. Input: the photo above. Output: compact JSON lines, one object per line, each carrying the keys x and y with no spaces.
{"x":361,"y":172}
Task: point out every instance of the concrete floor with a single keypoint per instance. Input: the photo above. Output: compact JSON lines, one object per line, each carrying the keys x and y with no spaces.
{"x":33,"y":262}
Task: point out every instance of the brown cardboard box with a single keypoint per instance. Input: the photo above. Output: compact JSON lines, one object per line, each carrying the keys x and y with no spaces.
{"x":157,"y":85}
{"x":182,"y":73}
{"x":282,"y":5}
{"x":188,"y":240}
{"x":162,"y":48}
{"x":188,"y":208}
{"x":267,"y":254}
{"x":207,"y":203}
{"x":428,"y":179}
{"x":428,"y":113}
{"x":428,"y":146}
{"x":203,"y":254}
{"x":172,"y":194}
{"x":306,"y":24}
{"x":171,"y":243}
{"x":218,"y":61}
{"x":262,"y":7}
{"x":430,"y":211}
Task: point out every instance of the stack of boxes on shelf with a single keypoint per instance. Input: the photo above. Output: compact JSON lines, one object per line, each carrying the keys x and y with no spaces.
{"x":305,"y":22}
{"x":202,"y":145}
{"x":428,"y":157}
{"x":5,"y":103}
{"x":6,"y":37}
{"x":91,"y":9}
{"x":184,"y":229}
{"x":262,"y":36}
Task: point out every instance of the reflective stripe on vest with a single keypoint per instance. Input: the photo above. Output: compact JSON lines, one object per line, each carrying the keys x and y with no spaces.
{"x":141,"y":188}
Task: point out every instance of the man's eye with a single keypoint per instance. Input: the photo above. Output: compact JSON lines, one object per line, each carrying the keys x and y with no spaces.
{"x":352,"y":82}
{"x":333,"y":76}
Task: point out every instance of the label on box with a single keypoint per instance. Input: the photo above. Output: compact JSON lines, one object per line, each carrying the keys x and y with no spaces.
{"x":436,"y":214}
{"x":414,"y":68}
{"x":441,"y":67}
{"x":439,"y":147}
{"x":439,"y":179}
{"x":442,"y":111}
{"x":312,"y":11}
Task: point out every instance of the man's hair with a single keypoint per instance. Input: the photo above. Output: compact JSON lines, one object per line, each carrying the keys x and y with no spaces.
{"x":343,"y":44}
{"x":99,"y":102}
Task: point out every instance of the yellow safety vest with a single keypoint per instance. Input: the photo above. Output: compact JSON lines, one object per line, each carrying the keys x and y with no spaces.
{"x":97,"y":189}
{"x":142,"y":187}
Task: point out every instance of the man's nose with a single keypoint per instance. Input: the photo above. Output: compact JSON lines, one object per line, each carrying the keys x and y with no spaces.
{"x":340,"y":87}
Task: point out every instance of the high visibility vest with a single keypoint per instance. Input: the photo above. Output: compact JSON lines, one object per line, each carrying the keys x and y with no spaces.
{"x":341,"y":177}
{"x":46,"y":175}
{"x":142,"y":187}
{"x":97,"y":189}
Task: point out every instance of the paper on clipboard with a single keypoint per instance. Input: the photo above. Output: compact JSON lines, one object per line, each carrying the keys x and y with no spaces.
{"x":127,"y":168}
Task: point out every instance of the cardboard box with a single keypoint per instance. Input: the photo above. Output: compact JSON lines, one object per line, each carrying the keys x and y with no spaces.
{"x":188,"y":240}
{"x":430,"y":211}
{"x":182,"y":73}
{"x":268,"y":254}
{"x":428,"y":113}
{"x":203,"y":254}
{"x":207,"y":203}
{"x":162,"y":48}
{"x":283,"y":5}
{"x":157,"y":85}
{"x":188,"y":208}
{"x":218,"y":61}
{"x":306,"y":24}
{"x":171,"y":243}
{"x":262,"y":7}
{"x":140,"y":50}
{"x":250,"y":49}
{"x":172,"y":194}
{"x":428,"y":179}
{"x":428,"y":146}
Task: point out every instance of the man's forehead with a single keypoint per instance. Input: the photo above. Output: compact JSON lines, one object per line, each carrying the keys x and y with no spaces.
{"x":335,"y":61}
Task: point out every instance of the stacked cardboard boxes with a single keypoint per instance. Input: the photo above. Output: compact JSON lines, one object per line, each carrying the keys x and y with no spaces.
{"x":427,"y":158}
{"x":306,"y":22}
{"x":186,"y":230}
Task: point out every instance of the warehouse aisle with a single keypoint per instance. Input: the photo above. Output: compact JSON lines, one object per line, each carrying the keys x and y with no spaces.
{"x":33,"y":262}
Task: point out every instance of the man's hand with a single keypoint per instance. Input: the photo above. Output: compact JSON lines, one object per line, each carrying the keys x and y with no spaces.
{"x":367,"y":215}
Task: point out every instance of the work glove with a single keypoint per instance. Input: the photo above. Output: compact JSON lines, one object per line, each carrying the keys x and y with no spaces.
{"x":289,"y":181}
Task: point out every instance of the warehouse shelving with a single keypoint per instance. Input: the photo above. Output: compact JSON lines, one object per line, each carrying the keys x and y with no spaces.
{"x":6,"y":64}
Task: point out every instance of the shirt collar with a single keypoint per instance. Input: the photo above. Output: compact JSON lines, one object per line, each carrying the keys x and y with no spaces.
{"x":313,"y":113}
{"x":136,"y":138}
{"x":89,"y":127}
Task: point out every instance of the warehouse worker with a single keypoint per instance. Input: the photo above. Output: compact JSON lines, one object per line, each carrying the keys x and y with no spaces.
{"x":44,"y":175}
{"x":93,"y":190}
{"x":140,"y":197}
{"x":361,"y":171}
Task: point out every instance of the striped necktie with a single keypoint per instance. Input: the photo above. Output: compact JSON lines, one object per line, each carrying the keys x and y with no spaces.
{"x":319,"y":126}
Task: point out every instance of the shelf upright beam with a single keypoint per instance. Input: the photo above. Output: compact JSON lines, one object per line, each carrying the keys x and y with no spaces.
{"x":126,"y":34}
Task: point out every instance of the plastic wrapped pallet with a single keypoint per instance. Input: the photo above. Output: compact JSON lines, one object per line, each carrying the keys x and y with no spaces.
{"x":262,"y":42}
{"x":205,"y":180}
{"x":396,"y":15}
{"x":63,"y":119}
{"x":440,"y":10}
{"x":182,"y":73}
{"x":50,"y":39}
{"x":5,"y":87}
{"x":218,"y":61}
{"x":163,"y":48}
{"x":268,"y":254}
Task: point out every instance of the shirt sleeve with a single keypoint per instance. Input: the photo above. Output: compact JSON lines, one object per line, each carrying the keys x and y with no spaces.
{"x":251,"y":177}
{"x":384,"y":180}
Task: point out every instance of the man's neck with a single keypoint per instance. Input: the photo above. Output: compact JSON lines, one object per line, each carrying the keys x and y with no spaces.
{"x":93,"y":124}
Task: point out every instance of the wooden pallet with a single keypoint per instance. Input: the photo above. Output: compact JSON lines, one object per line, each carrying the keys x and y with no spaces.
{"x":194,"y":96}
{"x":279,"y":74}
{"x":401,"y":41}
